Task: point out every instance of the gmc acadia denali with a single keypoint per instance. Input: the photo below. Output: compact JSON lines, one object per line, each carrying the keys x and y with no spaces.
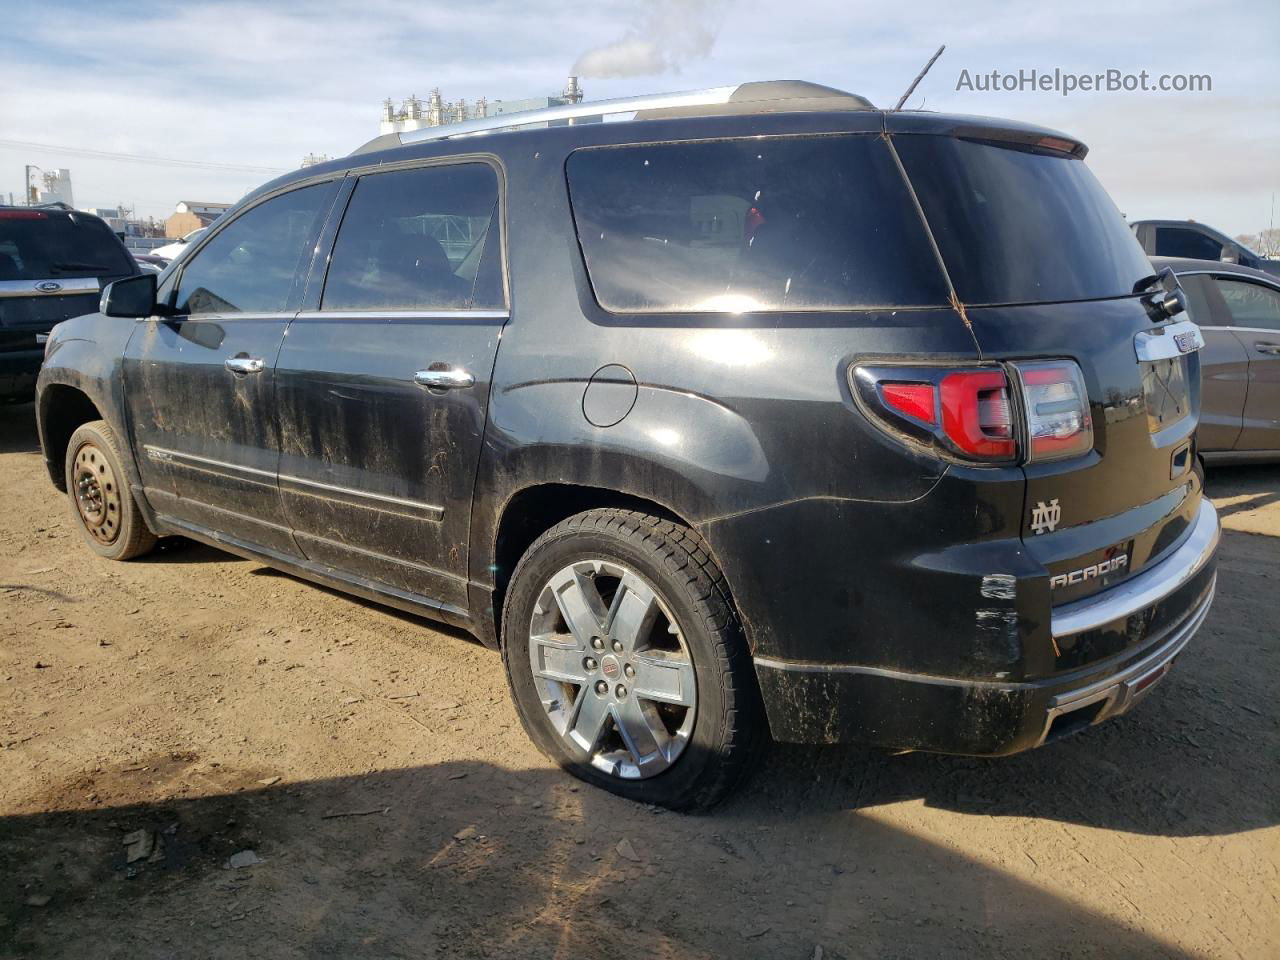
{"x":760,"y":410}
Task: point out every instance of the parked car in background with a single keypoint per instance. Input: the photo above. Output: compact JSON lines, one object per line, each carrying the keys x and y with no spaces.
{"x":685,"y":414}
{"x":1196,"y":241}
{"x":170,"y":251}
{"x":1238,"y":310}
{"x":149,"y":261}
{"x":53,"y":265}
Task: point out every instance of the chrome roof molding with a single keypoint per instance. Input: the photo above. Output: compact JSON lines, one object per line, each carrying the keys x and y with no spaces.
{"x":758,"y":97}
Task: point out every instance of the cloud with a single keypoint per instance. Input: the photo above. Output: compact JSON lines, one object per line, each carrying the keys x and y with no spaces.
{"x":235,"y":81}
{"x":663,"y":37}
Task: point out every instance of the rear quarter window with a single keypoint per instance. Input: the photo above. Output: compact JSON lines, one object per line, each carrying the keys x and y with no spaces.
{"x":786,"y":223}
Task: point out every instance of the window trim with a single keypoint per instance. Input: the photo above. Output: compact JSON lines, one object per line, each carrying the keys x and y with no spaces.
{"x":668,"y":314}
{"x":224,"y":222}
{"x":324,"y":259}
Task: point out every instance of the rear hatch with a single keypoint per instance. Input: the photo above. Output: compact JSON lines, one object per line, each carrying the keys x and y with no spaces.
{"x":1044,"y":267}
{"x":53,"y":266}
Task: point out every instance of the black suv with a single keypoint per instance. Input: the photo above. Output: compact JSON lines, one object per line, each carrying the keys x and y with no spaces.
{"x":54,"y":263}
{"x":763,"y":410}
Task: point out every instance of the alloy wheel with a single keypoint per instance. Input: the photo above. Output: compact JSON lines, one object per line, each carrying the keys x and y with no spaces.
{"x":612,"y":669}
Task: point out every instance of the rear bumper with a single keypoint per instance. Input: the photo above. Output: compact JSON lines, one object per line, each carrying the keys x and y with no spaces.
{"x":824,"y":702}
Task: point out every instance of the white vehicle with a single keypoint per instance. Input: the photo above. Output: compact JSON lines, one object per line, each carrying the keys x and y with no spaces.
{"x":171,"y":250}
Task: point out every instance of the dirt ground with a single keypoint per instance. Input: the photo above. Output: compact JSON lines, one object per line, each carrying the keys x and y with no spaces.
{"x":374,"y":767}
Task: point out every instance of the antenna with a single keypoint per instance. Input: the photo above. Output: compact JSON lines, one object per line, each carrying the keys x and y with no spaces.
{"x":919,"y":77}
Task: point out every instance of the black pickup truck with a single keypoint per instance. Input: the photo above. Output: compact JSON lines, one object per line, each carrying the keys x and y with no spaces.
{"x":762,"y":411}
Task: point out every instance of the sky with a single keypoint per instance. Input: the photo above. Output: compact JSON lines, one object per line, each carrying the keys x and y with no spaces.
{"x":250,"y":88}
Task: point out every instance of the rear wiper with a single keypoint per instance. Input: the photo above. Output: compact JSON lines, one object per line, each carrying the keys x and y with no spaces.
{"x":75,"y":265}
{"x":1165,"y":296}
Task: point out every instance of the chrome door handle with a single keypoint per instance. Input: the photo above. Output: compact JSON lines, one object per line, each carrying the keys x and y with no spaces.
{"x":242,"y":364}
{"x":1266,"y":346}
{"x":444,"y":378}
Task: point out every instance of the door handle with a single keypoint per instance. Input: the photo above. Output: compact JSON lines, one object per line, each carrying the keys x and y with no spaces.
{"x":242,"y":364}
{"x":440,"y":377}
{"x":1266,"y":346}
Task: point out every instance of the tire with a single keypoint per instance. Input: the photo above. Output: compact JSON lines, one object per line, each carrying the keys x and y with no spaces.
{"x":102,"y":504}
{"x":660,"y":704}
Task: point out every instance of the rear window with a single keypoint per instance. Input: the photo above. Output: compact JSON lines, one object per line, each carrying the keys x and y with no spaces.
{"x":1016,"y":226}
{"x":792,"y":223}
{"x":35,"y":245}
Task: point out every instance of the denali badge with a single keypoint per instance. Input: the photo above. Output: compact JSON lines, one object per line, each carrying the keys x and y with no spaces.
{"x":1045,"y":517}
{"x":1089,"y":572}
{"x":48,"y":286}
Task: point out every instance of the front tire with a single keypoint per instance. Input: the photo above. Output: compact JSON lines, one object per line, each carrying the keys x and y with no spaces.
{"x":102,"y":505}
{"x":627,"y":662}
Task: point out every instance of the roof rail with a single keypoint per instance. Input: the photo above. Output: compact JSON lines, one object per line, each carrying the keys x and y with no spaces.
{"x":766,"y":96}
{"x":572,"y":111}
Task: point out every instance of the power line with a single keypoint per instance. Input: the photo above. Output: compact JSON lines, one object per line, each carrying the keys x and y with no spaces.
{"x":137,"y":158}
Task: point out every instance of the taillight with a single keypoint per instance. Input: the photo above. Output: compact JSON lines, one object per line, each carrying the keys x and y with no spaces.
{"x":969,"y":413}
{"x":975,"y":414}
{"x":1057,"y":409}
{"x":918,"y":400}
{"x":23,"y":215}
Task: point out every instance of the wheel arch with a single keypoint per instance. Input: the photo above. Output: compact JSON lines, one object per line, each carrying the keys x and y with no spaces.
{"x":528,"y":513}
{"x":62,"y":408}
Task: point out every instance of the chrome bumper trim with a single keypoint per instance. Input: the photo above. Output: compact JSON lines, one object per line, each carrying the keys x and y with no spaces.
{"x":1122,"y":690}
{"x":1147,"y":588}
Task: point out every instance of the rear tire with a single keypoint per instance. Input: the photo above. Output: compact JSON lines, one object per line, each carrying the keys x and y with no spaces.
{"x":627,"y":662}
{"x":102,"y":505}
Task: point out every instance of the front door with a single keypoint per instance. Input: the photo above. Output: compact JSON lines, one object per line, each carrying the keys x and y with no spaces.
{"x":1255,"y":320}
{"x":383,"y":386}
{"x":200,"y":381}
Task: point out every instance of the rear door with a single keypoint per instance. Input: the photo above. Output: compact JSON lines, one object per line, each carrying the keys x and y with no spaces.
{"x":1224,"y":366}
{"x":1046,"y":268}
{"x":1255,"y":317}
{"x":200,"y":382}
{"x":383,"y":382}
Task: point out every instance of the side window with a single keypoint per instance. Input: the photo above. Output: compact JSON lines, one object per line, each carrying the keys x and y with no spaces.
{"x":1181,"y":242}
{"x":1251,"y":304}
{"x":422,"y":239}
{"x":1197,"y":289}
{"x":252,"y":265}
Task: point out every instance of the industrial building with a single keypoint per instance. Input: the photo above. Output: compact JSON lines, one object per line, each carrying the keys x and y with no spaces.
{"x":192,"y":215}
{"x":414,"y":114}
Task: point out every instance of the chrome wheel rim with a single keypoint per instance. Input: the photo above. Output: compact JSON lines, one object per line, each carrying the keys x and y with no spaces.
{"x":612,"y":669}
{"x":97,"y":494}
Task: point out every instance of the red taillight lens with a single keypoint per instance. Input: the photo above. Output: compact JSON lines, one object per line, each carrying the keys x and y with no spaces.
{"x":975,"y":414}
{"x":918,"y":400}
{"x":23,"y":215}
{"x":1057,"y":405}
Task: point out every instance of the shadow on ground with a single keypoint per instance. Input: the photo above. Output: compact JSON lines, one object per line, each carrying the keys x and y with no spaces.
{"x":470,"y":860}
{"x":18,"y":428}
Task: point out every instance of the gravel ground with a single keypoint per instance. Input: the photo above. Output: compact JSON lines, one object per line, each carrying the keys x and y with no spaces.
{"x":374,"y":767}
